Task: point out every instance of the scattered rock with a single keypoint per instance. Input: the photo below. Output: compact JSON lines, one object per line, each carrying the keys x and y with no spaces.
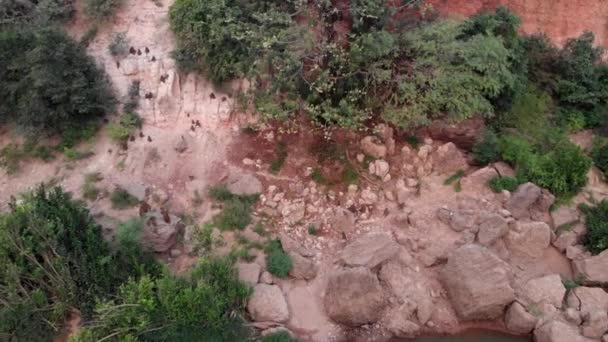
{"x":398,"y":324}
{"x":528,"y":238}
{"x":518,"y":320}
{"x":523,"y":199}
{"x":354,"y":297}
{"x":294,"y":212}
{"x":249,"y":273}
{"x":595,"y":324}
{"x":458,"y":220}
{"x":180,"y":145}
{"x":369,"y":250}
{"x":587,"y":299}
{"x":564,"y":215}
{"x":424,"y":151}
{"x":548,"y":289}
{"x":479,"y":179}
{"x":477,"y":282}
{"x":373,"y":147}
{"x":303,"y":268}
{"x":266,"y":278}
{"x":386,"y":134}
{"x":290,"y":245}
{"x":267,"y":303}
{"x":158,"y":234}
{"x":558,"y":331}
{"x":593,"y":269}
{"x":565,"y":240}
{"x":491,"y":228}
{"x":379,"y":168}
{"x":449,"y":159}
{"x":244,"y":184}
{"x":368,"y":196}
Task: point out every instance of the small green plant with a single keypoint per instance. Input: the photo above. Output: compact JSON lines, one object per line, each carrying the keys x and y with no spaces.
{"x":500,"y":183}
{"x":101,"y":9}
{"x":350,"y":175}
{"x":486,"y":150}
{"x":72,"y":154}
{"x":259,"y":229}
{"x":124,"y":128}
{"x":236,"y":213}
{"x":90,"y":191}
{"x":197,"y":199}
{"x":119,"y":47}
{"x":570,"y":284}
{"x":281,"y":154}
{"x":121,"y":199}
{"x":596,"y":221}
{"x":317,"y":176}
{"x":453,"y":178}
{"x":11,"y":156}
{"x":278,"y":262}
{"x":312,"y":229}
{"x":279,"y":336}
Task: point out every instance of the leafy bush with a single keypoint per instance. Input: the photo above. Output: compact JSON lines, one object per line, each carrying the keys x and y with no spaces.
{"x":600,"y":155}
{"x":53,"y":259}
{"x":101,"y":9}
{"x":596,"y":220}
{"x":141,"y":261}
{"x":122,"y":199}
{"x":560,"y":166}
{"x":48,"y":83}
{"x":236,"y":213}
{"x":279,"y":336}
{"x":119,"y":47}
{"x":199,"y":307}
{"x":89,"y":190}
{"x":278,"y":262}
{"x":486,"y":150}
{"x":35,"y":13}
{"x":124,"y":128}
{"x":281,"y":154}
{"x":500,"y":183}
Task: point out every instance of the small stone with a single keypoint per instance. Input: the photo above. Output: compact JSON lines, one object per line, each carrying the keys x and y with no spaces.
{"x":248,"y":162}
{"x":360,"y":157}
{"x":266,"y":278}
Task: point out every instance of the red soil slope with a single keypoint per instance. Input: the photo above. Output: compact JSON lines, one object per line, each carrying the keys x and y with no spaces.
{"x":559,"y":19}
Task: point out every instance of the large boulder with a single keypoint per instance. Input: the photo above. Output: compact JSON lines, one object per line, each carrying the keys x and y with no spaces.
{"x":464,"y":133}
{"x":518,"y":320}
{"x":160,"y":231}
{"x":595,"y":324}
{"x":548,"y":289}
{"x":354,"y":297}
{"x":303,"y":268}
{"x":586,"y":299}
{"x":477,"y":282}
{"x":369,"y":250}
{"x":523,"y":199}
{"x":491,"y":228}
{"x":593,"y":270}
{"x":528,"y":238}
{"x":449,"y":159}
{"x":564,"y":215}
{"x":458,"y":219}
{"x":373,"y":147}
{"x":249,"y":273}
{"x":267,"y":304}
{"x":398,"y":322}
{"x":558,"y":331}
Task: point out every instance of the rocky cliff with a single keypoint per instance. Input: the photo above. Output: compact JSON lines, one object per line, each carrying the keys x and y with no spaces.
{"x":559,"y":19}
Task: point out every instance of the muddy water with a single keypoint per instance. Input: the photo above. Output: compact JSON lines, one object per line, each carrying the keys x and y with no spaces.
{"x":474,"y":336}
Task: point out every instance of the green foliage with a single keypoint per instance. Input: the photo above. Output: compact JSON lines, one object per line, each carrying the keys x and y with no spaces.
{"x":486,"y":150}
{"x":130,"y":251}
{"x":236,"y":213}
{"x":318,"y":177}
{"x":453,"y":178}
{"x":101,"y":9}
{"x":529,"y":114}
{"x":124,"y":128}
{"x":53,"y":259}
{"x":596,"y":220}
{"x":198,"y":307}
{"x":278,"y":262}
{"x":312,"y":229}
{"x":119,"y":47}
{"x":35,"y":13}
{"x":48,"y":83}
{"x":227,"y":35}
{"x":279,"y":160}
{"x":90,"y":191}
{"x":13,"y":154}
{"x":600,"y":157}
{"x":559,"y":166}
{"x":500,"y":183}
{"x":121,"y":199}
{"x":279,"y":336}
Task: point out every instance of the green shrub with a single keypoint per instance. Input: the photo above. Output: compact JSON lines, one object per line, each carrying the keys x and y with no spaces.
{"x":48,"y":84}
{"x":486,"y":150}
{"x":130,"y":251}
{"x":279,"y":160}
{"x":121,"y":199}
{"x":101,"y":9}
{"x":279,"y":336}
{"x":500,"y":183}
{"x":124,"y":128}
{"x":54,"y":259}
{"x":596,"y":221}
{"x":236,"y":213}
{"x":202,"y":306}
{"x":278,"y":262}
{"x":90,"y":191}
{"x":35,"y":13}
{"x":600,"y":157}
{"x":119,"y":47}
{"x":312,"y":229}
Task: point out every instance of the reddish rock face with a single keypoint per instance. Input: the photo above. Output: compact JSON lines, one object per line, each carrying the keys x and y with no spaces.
{"x":559,"y":19}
